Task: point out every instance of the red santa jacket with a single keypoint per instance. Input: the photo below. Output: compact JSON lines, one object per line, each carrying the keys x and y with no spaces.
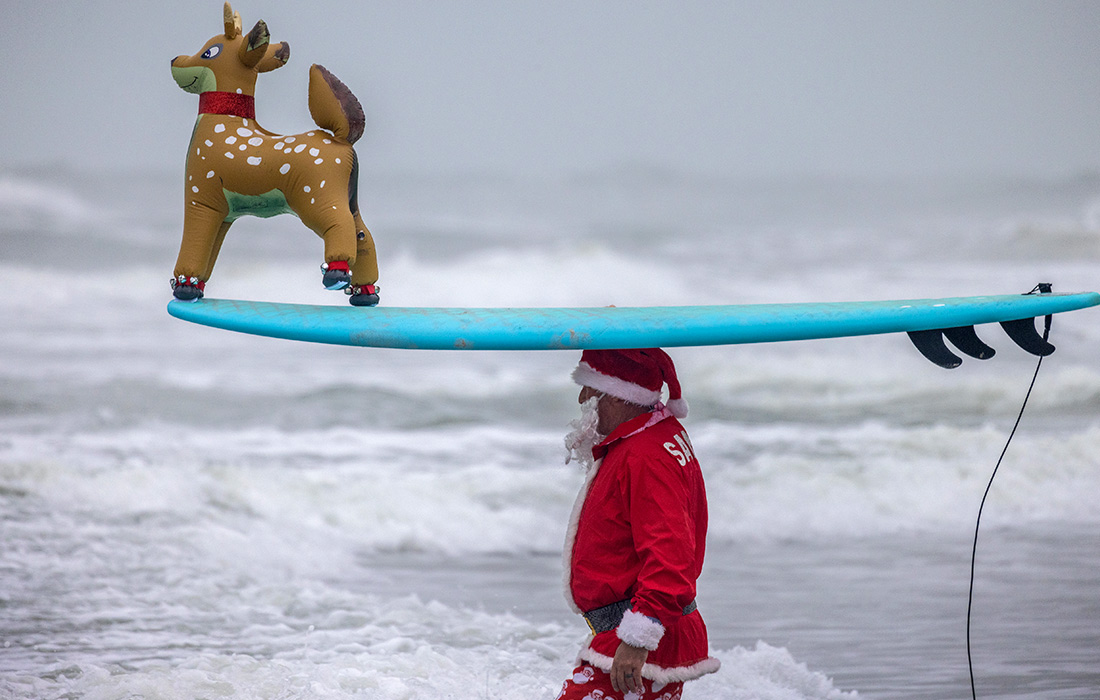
{"x":638,"y":532}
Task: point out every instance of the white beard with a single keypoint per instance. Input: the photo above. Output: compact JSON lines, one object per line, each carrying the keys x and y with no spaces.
{"x":584,"y":435}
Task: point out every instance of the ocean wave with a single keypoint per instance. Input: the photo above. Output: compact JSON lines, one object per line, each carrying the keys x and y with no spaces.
{"x":480,"y":489}
{"x":766,"y":483}
{"x":1072,"y":234}
{"x":303,"y":640}
{"x":27,"y":203}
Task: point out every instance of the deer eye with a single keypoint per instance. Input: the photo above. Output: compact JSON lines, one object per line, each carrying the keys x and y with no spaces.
{"x":212,"y":51}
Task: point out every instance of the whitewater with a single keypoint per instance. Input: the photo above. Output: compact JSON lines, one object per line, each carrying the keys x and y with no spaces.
{"x":193,"y":513}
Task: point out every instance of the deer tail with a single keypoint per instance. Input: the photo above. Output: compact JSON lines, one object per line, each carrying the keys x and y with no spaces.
{"x":333,"y":106}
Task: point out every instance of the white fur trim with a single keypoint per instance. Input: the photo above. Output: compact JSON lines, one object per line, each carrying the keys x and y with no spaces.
{"x":658,"y":674}
{"x":678,"y":407}
{"x":571,"y":537}
{"x":585,"y":375}
{"x":638,"y":630}
{"x":575,"y":516}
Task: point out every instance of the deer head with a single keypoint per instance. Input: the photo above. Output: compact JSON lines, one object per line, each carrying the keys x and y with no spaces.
{"x":230,"y":62}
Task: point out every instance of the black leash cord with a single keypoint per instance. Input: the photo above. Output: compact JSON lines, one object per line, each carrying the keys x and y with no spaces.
{"x":977,"y":525}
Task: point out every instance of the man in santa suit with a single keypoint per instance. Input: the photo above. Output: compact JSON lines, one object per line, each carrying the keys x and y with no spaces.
{"x":637,"y":534}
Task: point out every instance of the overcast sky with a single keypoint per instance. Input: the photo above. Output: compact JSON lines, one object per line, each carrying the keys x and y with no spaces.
{"x":742,"y":88}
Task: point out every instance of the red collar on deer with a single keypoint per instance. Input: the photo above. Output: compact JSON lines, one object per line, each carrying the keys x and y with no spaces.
{"x":232,"y":103}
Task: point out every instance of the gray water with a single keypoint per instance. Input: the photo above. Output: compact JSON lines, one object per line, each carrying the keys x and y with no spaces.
{"x":186,"y":512}
{"x":897,"y":630}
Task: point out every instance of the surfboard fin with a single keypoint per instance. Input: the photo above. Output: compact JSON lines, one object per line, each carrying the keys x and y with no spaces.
{"x":967,"y":340}
{"x":931,"y":343}
{"x":932,"y":346}
{"x":1024,"y":334}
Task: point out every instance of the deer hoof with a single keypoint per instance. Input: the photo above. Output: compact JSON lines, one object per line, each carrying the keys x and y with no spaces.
{"x":337,"y":275}
{"x":363,"y":294}
{"x":187,"y":288}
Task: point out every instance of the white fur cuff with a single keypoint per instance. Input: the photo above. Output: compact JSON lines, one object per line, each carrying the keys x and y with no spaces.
{"x":637,"y":630}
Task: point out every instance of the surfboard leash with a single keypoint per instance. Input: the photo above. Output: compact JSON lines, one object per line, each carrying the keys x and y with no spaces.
{"x":1041,"y":289}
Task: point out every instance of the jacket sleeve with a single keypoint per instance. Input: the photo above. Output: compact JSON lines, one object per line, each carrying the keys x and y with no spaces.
{"x":660,"y":496}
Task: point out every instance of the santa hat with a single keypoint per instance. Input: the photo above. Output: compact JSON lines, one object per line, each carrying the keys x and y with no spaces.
{"x":632,"y":375}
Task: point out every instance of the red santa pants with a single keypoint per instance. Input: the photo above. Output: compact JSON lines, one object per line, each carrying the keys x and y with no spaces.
{"x":590,"y":683}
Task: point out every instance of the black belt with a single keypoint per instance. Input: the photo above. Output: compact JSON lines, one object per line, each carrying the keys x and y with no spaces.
{"x":608,"y":617}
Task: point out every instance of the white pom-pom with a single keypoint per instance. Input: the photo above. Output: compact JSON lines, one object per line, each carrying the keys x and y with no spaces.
{"x":678,"y":407}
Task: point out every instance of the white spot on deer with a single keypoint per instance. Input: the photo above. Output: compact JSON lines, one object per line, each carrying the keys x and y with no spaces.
{"x":307,"y":188}
{"x":290,"y":139}
{"x":208,"y":142}
{"x":231,"y":140}
{"x":209,"y":174}
{"x":255,"y":141}
{"x":312,"y":200}
{"x":338,"y":161}
{"x":312,"y":133}
{"x":244,"y":121}
{"x":285,"y":169}
{"x":244,"y":132}
{"x":322,"y":183}
{"x":195,"y":189}
{"x":197,"y":151}
{"x":327,"y":141}
{"x":314,"y":152}
{"x":319,"y":161}
{"x":299,"y":148}
{"x":219,"y":128}
{"x":242,"y":147}
{"x":239,"y":91}
{"x":229,"y":155}
{"x":279,"y":146}
{"x":253,"y":160}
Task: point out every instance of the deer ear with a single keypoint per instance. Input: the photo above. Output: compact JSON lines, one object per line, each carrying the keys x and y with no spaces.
{"x":276,"y":57}
{"x":255,"y":45}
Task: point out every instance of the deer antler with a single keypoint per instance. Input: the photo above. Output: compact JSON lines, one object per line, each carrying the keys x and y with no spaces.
{"x":232,"y":22}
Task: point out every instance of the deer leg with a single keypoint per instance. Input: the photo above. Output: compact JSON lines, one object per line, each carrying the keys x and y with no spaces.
{"x":219,"y":238}
{"x":340,"y":242}
{"x":337,"y":230}
{"x":202,"y":226}
{"x":365,"y":270}
{"x":364,"y":274}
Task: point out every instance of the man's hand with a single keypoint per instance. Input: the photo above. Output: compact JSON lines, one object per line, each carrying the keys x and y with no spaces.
{"x":626,"y":669}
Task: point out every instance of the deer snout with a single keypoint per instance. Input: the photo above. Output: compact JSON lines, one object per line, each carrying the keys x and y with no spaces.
{"x":192,"y":78}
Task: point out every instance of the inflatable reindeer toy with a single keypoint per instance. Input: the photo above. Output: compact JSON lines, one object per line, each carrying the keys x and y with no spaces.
{"x":236,"y":167}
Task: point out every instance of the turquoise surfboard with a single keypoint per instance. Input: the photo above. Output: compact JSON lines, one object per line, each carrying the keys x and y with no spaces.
{"x":633,"y":327}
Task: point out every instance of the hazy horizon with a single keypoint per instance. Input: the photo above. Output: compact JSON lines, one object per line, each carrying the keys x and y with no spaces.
{"x":735,"y":89}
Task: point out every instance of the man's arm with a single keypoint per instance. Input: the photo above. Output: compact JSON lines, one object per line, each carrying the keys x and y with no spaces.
{"x":662,"y":528}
